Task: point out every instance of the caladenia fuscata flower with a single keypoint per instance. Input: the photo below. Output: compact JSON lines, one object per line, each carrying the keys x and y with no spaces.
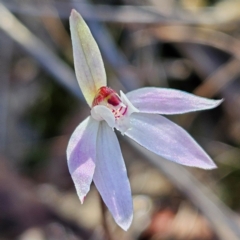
{"x":93,"y":152}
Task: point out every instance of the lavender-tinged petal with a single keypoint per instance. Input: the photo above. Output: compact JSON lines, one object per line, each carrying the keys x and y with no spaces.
{"x":88,"y":62}
{"x":111,"y":178}
{"x":165,"y":138}
{"x":168,"y":101}
{"x":81,"y":155}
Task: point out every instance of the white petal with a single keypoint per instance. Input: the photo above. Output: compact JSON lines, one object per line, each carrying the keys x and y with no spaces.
{"x":168,"y":101}
{"x":123,"y":123}
{"x":165,"y":138}
{"x":126,"y":102}
{"x":81,"y":155}
{"x":101,"y":112}
{"x":111,"y":178}
{"x":88,"y":62}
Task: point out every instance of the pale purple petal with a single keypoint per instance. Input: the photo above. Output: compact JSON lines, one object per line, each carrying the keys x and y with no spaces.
{"x":168,"y":101}
{"x":111,"y":178}
{"x":81,"y":155}
{"x":88,"y":62}
{"x":165,"y":138}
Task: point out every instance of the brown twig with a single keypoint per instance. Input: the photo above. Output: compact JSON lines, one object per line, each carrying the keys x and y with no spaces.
{"x":219,"y":79}
{"x":188,"y":34}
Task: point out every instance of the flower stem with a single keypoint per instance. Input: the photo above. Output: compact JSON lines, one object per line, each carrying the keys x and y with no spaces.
{"x":104,"y":220}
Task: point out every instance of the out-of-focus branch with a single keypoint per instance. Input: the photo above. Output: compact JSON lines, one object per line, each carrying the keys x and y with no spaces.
{"x":221,"y":218}
{"x":187,"y":34}
{"x":106,"y":13}
{"x":219,"y":79}
{"x":48,"y":60}
{"x":5,"y":57}
{"x":137,"y":14}
{"x":56,"y":29}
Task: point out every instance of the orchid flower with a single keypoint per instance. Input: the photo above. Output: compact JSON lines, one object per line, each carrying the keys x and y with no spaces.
{"x":93,"y":152}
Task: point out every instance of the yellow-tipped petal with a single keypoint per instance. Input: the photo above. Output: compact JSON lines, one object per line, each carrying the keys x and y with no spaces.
{"x":88,"y":62}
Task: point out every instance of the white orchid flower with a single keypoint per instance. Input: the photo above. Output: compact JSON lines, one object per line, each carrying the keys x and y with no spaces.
{"x":93,"y":152}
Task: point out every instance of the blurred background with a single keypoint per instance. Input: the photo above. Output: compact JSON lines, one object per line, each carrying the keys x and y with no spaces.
{"x":191,"y":45}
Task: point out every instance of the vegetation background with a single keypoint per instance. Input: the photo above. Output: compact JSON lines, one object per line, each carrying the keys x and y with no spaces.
{"x":191,"y":45}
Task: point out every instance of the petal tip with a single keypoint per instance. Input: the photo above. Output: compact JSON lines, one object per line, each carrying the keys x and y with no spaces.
{"x":207,"y":166}
{"x":211,"y":167}
{"x":75,"y":16}
{"x":218,"y":102}
{"x":221,"y":100}
{"x":125,"y":223}
{"x":82,"y":199}
{"x":74,"y":13}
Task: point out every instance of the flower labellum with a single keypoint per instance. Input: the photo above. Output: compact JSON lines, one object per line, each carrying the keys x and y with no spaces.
{"x":93,"y":152}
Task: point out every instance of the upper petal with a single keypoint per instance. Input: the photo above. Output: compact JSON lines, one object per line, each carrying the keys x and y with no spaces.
{"x":81,"y":155}
{"x":111,"y":179}
{"x":88,"y":62}
{"x":165,"y":138}
{"x":168,"y":101}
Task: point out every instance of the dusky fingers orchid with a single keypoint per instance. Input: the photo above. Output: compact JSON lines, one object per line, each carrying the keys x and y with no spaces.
{"x":93,"y":152}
